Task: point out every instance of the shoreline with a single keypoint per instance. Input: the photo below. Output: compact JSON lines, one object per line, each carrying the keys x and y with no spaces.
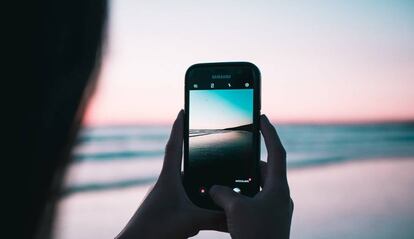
{"x":150,"y":173}
{"x":357,"y":198}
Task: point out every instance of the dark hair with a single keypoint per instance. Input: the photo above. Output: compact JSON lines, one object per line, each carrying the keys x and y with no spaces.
{"x":63,"y":58}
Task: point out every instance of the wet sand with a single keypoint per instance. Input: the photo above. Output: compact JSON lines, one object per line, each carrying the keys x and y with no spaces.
{"x":221,"y":148}
{"x":357,"y":199}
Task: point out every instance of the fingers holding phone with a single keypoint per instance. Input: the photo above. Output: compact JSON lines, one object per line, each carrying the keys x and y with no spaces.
{"x":269,"y":213}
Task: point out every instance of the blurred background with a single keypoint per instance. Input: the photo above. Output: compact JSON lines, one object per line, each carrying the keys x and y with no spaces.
{"x":337,"y":82}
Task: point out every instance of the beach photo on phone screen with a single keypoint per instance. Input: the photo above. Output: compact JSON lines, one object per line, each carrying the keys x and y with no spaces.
{"x":220,"y":130}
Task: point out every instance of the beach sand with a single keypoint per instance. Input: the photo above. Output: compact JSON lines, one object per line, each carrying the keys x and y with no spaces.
{"x":357,"y":199}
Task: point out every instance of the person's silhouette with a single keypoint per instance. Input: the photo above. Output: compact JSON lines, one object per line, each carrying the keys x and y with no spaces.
{"x":56,"y":48}
{"x":56,"y":77}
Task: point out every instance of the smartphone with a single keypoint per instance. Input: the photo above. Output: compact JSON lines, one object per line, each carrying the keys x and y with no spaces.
{"x":221,"y":133}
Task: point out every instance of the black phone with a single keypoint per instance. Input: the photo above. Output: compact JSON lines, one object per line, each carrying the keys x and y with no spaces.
{"x":221,"y":133}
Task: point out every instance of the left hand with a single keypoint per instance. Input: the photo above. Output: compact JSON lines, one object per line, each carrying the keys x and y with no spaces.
{"x":167,"y":212}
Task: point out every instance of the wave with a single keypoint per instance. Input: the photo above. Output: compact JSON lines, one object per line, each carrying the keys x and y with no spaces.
{"x":144,"y":181}
{"x":202,"y":132}
{"x":114,"y":157}
{"x":107,"y":186}
{"x":119,"y":155}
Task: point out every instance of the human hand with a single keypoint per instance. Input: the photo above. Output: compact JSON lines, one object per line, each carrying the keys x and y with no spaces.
{"x":268,"y":214}
{"x":167,"y":212}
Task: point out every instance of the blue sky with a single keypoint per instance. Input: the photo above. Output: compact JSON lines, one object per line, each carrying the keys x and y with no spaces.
{"x":218,"y":109}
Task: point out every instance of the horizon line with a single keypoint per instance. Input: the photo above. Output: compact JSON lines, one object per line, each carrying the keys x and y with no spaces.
{"x":272,"y":120}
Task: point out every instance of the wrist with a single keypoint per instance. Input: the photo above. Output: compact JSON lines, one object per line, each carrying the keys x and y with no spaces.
{"x":155,"y":225}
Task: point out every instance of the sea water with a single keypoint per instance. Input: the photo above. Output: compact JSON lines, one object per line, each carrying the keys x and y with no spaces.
{"x":110,"y":157}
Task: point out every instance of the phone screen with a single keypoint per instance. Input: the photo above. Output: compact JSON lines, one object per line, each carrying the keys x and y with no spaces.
{"x":222,"y":137}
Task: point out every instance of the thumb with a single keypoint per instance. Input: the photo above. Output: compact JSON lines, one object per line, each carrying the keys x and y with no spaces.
{"x":223,"y":196}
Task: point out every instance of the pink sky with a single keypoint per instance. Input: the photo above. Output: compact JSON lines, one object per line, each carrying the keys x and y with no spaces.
{"x":320,"y":62}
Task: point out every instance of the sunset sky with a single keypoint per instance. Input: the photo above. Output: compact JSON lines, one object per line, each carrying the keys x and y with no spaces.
{"x":336,"y":61}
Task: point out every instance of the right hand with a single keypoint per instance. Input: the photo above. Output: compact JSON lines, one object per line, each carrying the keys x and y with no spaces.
{"x":269,"y":213}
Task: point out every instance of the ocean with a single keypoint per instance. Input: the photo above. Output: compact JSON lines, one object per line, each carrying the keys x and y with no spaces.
{"x":111,"y":157}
